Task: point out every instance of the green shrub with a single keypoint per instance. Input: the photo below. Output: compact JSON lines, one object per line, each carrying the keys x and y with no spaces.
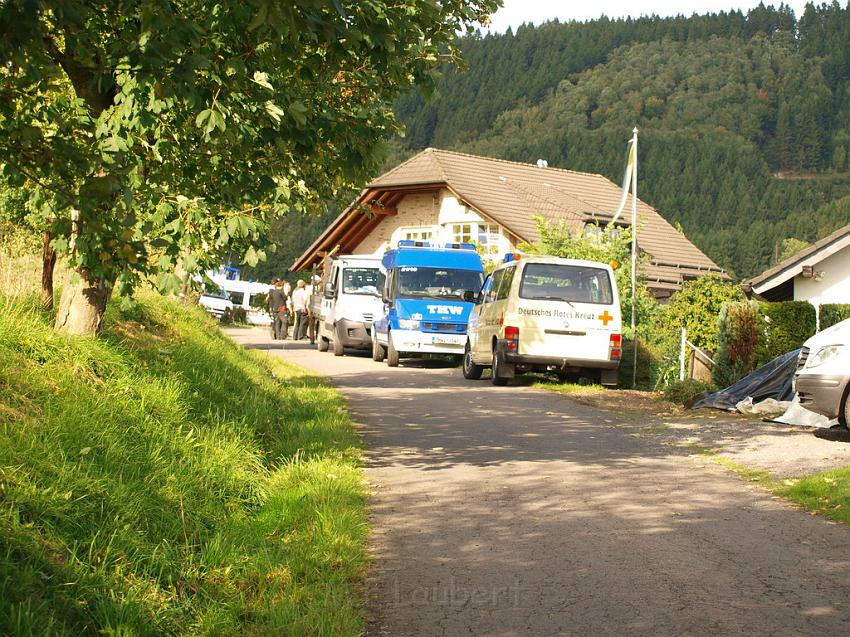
{"x":738,"y":342}
{"x":234,"y":315}
{"x":832,"y":313}
{"x":783,"y":327}
{"x":647,"y":369}
{"x":684,"y":392}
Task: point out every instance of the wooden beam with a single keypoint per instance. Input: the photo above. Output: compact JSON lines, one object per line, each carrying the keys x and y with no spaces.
{"x":363,"y":233}
{"x":382,"y":210}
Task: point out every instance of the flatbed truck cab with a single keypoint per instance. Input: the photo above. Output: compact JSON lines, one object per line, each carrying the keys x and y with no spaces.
{"x":542,"y":313}
{"x":424,"y":310}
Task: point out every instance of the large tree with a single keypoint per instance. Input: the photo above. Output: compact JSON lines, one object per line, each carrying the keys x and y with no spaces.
{"x":170,"y":131}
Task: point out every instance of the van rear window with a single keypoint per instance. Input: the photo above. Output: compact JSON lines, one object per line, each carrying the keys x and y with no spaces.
{"x":561,"y":282}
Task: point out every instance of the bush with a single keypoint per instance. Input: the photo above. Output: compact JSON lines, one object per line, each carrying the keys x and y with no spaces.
{"x":832,"y":313}
{"x":234,"y":315}
{"x":685,"y":392}
{"x":783,"y":327}
{"x":738,"y":342}
{"x":647,"y":369}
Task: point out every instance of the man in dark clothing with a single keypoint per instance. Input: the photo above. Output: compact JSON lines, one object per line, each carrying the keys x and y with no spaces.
{"x":279,"y":310}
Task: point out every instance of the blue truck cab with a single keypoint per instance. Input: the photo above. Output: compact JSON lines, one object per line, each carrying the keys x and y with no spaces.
{"x":424,"y":308}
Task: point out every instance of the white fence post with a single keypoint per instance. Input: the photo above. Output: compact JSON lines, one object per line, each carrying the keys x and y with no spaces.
{"x":682,"y":350}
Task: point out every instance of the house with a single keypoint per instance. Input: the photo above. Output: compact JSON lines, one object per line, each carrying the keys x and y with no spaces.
{"x":452,"y":197}
{"x":820,"y":274}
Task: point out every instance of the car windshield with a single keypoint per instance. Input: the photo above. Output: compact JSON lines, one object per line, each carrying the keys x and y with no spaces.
{"x":569,"y":283}
{"x":426,"y":282}
{"x":361,"y":281}
{"x":216,"y":294}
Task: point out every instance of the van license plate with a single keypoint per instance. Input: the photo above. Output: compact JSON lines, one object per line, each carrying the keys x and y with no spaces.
{"x":445,"y":340}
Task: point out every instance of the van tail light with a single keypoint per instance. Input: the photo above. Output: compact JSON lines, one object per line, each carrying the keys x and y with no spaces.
{"x":512,"y":337}
{"x":615,"y":343}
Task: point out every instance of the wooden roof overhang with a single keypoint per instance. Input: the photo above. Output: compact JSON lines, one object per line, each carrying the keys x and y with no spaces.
{"x":357,"y":221}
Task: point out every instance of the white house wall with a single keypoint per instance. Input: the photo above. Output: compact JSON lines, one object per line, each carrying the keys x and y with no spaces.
{"x":434,"y":212}
{"x":834,"y":284}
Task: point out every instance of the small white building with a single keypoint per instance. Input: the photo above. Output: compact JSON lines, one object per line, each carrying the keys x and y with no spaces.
{"x":820,"y":274}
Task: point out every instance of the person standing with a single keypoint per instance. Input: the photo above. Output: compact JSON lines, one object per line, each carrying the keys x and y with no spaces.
{"x":300,"y":301}
{"x":280,"y":311}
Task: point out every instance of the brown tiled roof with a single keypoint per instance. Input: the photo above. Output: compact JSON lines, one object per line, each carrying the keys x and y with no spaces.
{"x":793,"y":265}
{"x":512,"y":193}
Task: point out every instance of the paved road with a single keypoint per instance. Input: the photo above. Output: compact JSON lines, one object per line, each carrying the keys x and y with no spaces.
{"x":513,"y":511}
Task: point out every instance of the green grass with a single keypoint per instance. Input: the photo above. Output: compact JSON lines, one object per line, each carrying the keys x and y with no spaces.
{"x":825,"y":493}
{"x":161,"y":480}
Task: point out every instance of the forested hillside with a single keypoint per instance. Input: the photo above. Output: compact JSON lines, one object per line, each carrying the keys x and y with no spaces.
{"x":744,"y":118}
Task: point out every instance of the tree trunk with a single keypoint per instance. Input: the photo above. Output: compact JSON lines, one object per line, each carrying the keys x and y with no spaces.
{"x":48,"y":263}
{"x":83,"y":305}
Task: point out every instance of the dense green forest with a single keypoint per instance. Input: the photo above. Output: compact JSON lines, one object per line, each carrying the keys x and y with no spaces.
{"x":744,"y":118}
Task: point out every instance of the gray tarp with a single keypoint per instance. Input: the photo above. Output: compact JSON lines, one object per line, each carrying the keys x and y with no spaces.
{"x":770,"y":381}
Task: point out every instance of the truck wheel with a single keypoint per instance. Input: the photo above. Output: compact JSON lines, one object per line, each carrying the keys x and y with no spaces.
{"x":378,"y":351}
{"x":322,"y":344}
{"x":498,"y":364}
{"x":339,"y":349}
{"x":392,"y":354}
{"x":471,"y":371}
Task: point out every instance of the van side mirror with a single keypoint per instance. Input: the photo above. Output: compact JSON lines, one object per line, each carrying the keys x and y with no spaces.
{"x":470,"y":296}
{"x":330,"y":291}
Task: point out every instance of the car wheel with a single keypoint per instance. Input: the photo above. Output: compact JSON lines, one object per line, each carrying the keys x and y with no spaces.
{"x":378,"y":351}
{"x":322,"y":344}
{"x":339,"y":349}
{"x":471,"y":371}
{"x":844,"y":414}
{"x":498,"y":363}
{"x":392,"y":354}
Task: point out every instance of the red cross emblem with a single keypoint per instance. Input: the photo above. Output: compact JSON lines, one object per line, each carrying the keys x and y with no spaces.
{"x":605,"y":318}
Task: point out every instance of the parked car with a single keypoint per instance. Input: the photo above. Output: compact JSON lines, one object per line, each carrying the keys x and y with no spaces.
{"x":350,"y":294}
{"x":228,"y":294}
{"x":423,"y":309}
{"x":216,"y":302}
{"x":822,"y":380}
{"x":541,"y":313}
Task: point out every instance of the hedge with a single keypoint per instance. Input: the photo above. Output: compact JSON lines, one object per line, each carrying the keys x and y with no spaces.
{"x":783,"y":327}
{"x":832,"y":313}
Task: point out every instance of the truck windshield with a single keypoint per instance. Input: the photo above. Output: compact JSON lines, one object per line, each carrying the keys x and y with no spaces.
{"x":426,"y":282}
{"x":361,"y":281}
{"x":570,"y":283}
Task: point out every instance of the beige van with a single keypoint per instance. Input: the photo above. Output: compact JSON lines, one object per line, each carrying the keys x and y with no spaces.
{"x":539,"y":313}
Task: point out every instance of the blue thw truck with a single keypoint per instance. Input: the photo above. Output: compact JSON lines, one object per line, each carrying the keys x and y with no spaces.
{"x":423,"y":295}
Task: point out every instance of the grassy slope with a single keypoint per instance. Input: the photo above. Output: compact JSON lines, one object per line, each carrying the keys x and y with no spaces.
{"x":160,"y":480}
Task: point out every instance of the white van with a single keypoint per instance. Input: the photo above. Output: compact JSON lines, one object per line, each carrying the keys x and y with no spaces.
{"x":350,"y":294}
{"x":539,"y":313}
{"x":250,"y":296}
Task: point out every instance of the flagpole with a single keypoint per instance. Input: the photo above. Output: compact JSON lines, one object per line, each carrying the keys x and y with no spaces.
{"x":634,"y":252}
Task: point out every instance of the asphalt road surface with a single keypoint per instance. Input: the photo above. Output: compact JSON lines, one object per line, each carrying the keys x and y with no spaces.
{"x":514,"y":511}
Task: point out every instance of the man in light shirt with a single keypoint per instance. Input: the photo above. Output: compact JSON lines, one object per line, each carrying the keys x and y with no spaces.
{"x":300,"y":300}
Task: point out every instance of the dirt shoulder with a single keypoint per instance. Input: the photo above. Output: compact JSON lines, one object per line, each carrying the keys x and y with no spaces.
{"x":785,"y":451}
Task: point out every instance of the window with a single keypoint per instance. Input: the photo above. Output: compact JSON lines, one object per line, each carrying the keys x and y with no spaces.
{"x":505,"y":289}
{"x":462,"y":232}
{"x":416,"y":234}
{"x":570,"y":283}
{"x":488,"y":238}
{"x":492,"y":295}
{"x":362,"y":281}
{"x":424,"y":282}
{"x":237,"y":298}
